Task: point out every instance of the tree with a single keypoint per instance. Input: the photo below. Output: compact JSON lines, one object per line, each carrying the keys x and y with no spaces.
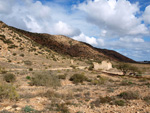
{"x":123,"y":67}
{"x":126,"y":68}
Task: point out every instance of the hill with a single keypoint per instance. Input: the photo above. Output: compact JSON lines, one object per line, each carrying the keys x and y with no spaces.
{"x":67,"y":46}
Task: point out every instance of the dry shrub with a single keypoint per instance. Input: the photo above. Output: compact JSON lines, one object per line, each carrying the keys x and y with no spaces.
{"x":45,"y":79}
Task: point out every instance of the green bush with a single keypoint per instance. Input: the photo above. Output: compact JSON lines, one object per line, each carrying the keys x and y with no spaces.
{"x":9,"y":77}
{"x":28,"y":109}
{"x":45,"y":79}
{"x":78,"y":78}
{"x":129,"y":95}
{"x":30,"y":69}
{"x":7,"y":91}
{"x":28,"y":77}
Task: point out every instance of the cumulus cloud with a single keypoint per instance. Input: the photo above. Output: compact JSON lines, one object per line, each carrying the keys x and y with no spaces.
{"x":35,"y":16}
{"x":116,"y":16}
{"x":146,"y":15}
{"x":82,"y":37}
{"x":65,"y":29}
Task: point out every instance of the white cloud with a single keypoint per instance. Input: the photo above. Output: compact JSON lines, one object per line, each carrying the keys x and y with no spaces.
{"x":101,"y":42}
{"x":111,"y":24}
{"x":6,"y":6}
{"x":116,"y":16}
{"x":65,"y":29}
{"x":131,"y":39}
{"x":37,"y":17}
{"x":82,"y":37}
{"x":146,"y":15}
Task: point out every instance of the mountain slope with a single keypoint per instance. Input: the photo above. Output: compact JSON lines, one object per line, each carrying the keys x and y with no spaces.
{"x":65,"y":45}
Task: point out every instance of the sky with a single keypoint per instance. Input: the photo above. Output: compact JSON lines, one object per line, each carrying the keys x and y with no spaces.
{"x":120,"y":25}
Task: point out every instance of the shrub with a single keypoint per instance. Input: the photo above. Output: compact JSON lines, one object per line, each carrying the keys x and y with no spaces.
{"x":14,"y":54}
{"x":30,"y":69}
{"x":62,"y":108}
{"x":2,"y":70}
{"x":62,"y":76}
{"x":9,"y":77}
{"x":73,"y":67}
{"x":22,"y":55}
{"x":27,"y":62}
{"x":126,"y":82}
{"x":147,"y":99}
{"x":12,"y":46}
{"x":129,"y":95}
{"x":101,"y":100}
{"x":7,"y":91}
{"x":78,"y":78}
{"x":91,"y":67}
{"x":28,"y":77}
{"x":28,"y":109}
{"x":99,"y":81}
{"x":45,"y":79}
{"x":120,"y":102}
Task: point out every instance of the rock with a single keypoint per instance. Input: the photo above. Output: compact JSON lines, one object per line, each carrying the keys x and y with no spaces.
{"x":8,"y":108}
{"x":105,"y":65}
{"x":72,"y":62}
{"x":18,"y":108}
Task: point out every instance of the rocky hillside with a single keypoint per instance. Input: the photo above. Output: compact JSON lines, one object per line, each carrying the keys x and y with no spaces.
{"x":65,"y":45}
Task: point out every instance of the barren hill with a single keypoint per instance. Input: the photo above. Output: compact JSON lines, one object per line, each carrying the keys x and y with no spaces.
{"x":65,"y":45}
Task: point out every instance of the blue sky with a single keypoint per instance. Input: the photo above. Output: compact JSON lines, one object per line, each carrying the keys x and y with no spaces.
{"x":121,"y":25}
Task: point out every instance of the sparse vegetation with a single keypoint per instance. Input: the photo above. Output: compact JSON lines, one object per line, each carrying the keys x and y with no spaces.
{"x":7,"y":91}
{"x":45,"y":79}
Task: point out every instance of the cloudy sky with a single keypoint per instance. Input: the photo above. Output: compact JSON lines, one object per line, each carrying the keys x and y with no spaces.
{"x":121,"y":25}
